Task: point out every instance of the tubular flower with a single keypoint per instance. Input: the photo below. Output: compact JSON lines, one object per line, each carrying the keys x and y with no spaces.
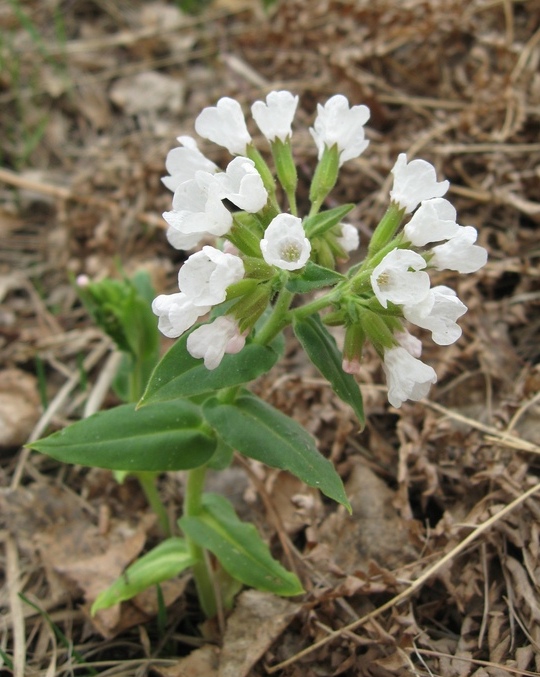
{"x":183,"y":162}
{"x":408,"y":377}
{"x":460,"y":253}
{"x":392,"y":280}
{"x":433,"y":221}
{"x":337,"y":124}
{"x":274,"y":118}
{"x":438,"y":312}
{"x":176,"y":313}
{"x":285,"y":244}
{"x":414,"y":182}
{"x":212,"y":341}
{"x":197,"y":211}
{"x":241,"y":184}
{"x":205,"y":276}
{"x":225,"y":125}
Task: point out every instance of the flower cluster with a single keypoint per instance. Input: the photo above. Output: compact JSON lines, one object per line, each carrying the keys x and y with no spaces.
{"x":263,"y":249}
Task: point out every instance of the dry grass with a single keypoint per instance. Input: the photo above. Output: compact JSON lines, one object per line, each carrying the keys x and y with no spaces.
{"x":446,"y":582}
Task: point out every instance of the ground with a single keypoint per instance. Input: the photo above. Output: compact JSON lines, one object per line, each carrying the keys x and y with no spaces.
{"x":437,"y":571}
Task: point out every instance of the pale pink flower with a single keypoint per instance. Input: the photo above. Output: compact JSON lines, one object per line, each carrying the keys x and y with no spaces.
{"x":212,"y":341}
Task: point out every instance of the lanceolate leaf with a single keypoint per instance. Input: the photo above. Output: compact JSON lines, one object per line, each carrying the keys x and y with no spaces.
{"x":259,"y":431}
{"x":239,"y":547}
{"x":320,"y":223}
{"x":168,"y":436}
{"x":322,"y":350}
{"x":181,"y":375}
{"x":165,"y":561}
{"x":313,"y":277}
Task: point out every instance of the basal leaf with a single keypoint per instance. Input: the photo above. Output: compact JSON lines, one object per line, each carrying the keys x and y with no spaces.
{"x":165,"y":561}
{"x":181,"y":375}
{"x":322,"y":350}
{"x":168,"y":436}
{"x":259,"y":431}
{"x":239,"y":547}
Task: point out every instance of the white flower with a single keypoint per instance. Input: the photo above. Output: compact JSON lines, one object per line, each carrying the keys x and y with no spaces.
{"x":336,"y":123}
{"x":176,"y":313}
{"x":349,"y":240}
{"x":212,"y":341}
{"x":460,"y":253}
{"x":285,"y":244}
{"x":433,"y":221}
{"x":438,"y":312}
{"x":414,"y":182}
{"x":205,"y":276}
{"x":182,"y":163}
{"x":197,"y":211}
{"x":242,"y":184}
{"x":411,"y":344}
{"x":393,"y":281}
{"x":225,"y":125}
{"x":274,"y":118}
{"x":408,"y":378}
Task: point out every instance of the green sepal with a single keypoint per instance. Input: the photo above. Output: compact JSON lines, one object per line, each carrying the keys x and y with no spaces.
{"x":285,"y":165}
{"x":181,"y":375}
{"x":167,"y":436}
{"x":323,"y":352}
{"x":165,"y":561}
{"x":318,"y":224}
{"x":246,"y":233}
{"x":259,"y":431}
{"x":325,"y":176}
{"x":313,"y":277}
{"x":238,"y":547}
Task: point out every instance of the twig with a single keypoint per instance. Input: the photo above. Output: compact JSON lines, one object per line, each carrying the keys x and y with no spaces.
{"x":17,"y":615}
{"x":416,"y":585}
{"x":492,"y":433}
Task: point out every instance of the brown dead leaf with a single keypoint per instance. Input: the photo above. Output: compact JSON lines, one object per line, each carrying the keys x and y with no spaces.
{"x":20,"y":407}
{"x":148,"y":92}
{"x":258,"y":620}
{"x":297,"y":505}
{"x":202,"y":662}
{"x":374,"y":531}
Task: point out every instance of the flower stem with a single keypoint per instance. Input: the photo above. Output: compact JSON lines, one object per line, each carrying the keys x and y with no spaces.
{"x":278,"y":320}
{"x":147,"y":480}
{"x":201,"y":573}
{"x":316,"y":305}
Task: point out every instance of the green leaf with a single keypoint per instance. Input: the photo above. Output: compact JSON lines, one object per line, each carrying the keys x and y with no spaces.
{"x":165,"y":561}
{"x":181,"y":375}
{"x":259,"y":431}
{"x":322,"y":350}
{"x":320,"y":223}
{"x":239,"y":547}
{"x":168,"y":436}
{"x":313,"y":277}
